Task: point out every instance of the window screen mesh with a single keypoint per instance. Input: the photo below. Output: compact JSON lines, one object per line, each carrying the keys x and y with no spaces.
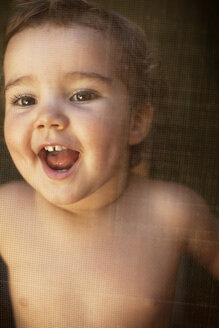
{"x":183,"y":142}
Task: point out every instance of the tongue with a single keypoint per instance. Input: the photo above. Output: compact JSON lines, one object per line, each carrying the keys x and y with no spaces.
{"x":62,"y":160}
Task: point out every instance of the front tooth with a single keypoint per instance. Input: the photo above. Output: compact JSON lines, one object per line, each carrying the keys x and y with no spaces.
{"x":58,"y":148}
{"x":49,"y":148}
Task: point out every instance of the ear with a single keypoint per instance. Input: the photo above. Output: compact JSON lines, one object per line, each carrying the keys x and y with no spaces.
{"x":140,"y":124}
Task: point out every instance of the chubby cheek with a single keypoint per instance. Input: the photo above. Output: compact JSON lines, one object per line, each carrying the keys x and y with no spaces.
{"x":106,"y":141}
{"x":16,"y":136}
{"x":11,"y":134}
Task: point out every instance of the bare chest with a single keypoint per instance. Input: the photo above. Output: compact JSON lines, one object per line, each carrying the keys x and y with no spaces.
{"x":92,"y":282}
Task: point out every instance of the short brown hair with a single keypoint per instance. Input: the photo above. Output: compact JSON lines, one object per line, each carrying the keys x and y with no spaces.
{"x":135,"y":65}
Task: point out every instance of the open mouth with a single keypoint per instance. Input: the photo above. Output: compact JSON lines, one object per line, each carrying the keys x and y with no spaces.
{"x":58,"y":159}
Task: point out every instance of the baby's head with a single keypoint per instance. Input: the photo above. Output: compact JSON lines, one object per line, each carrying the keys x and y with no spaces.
{"x":72,"y":66}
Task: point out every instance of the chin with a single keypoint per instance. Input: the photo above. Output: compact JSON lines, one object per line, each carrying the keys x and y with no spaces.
{"x":60,"y":200}
{"x":62,"y":197}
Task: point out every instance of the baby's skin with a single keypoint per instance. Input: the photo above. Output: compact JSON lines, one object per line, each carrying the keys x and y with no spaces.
{"x":116,"y":267}
{"x":87,"y":245}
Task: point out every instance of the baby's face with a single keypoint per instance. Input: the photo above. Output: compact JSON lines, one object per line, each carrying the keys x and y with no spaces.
{"x":67,"y":114}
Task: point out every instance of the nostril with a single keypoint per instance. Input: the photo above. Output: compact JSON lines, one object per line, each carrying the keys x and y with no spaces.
{"x":55,"y":125}
{"x":52,"y":121}
{"x":40,"y":126}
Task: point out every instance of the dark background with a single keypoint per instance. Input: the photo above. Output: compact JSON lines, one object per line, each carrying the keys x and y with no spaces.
{"x":184,"y":144}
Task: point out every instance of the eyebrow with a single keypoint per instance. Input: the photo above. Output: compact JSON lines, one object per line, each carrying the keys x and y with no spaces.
{"x":72,"y":75}
{"x":19,"y":81}
{"x":89,"y":75}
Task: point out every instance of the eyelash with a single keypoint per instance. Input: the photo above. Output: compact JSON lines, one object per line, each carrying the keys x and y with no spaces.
{"x":14,"y":100}
{"x":92,"y":95}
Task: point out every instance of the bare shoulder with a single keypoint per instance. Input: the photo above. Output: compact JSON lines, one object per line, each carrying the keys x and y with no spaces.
{"x":13,"y":191}
{"x":172,"y":204}
{"x":179,"y":214}
{"x":16,"y":200}
{"x":170,"y":195}
{"x":177,"y":196}
{"x":13,"y":197}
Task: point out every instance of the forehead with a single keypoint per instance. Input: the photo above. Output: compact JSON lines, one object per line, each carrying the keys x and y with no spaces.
{"x":57,"y":49}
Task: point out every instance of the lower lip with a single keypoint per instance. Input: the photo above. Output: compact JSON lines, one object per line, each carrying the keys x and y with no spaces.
{"x":59,"y":175}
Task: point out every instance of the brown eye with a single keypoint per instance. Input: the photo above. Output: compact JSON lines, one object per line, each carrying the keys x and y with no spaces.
{"x":83,"y":96}
{"x":25,"y":101}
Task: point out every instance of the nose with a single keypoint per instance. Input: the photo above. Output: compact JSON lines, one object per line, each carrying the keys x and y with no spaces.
{"x":52,"y":119}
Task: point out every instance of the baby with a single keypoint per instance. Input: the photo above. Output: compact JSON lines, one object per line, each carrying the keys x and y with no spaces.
{"x":86,"y":243}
